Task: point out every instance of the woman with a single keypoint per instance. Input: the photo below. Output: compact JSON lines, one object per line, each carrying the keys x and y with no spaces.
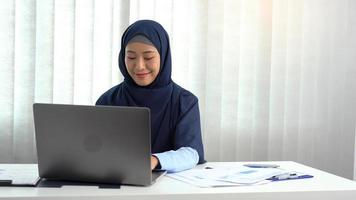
{"x":145,"y":63}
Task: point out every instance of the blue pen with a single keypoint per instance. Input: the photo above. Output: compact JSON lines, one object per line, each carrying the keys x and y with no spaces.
{"x":261,"y":165}
{"x":289,"y":176}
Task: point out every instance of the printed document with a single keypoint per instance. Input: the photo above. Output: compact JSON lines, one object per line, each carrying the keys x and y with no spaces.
{"x":227,"y":176}
{"x":20,"y":174}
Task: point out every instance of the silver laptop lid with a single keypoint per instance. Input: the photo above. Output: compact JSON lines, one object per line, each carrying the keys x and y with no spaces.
{"x":103,"y":144}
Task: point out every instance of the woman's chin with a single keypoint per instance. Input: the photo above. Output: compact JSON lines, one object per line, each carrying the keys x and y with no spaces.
{"x":143,"y":82}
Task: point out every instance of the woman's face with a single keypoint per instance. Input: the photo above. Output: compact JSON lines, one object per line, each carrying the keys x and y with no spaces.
{"x":142,"y":62}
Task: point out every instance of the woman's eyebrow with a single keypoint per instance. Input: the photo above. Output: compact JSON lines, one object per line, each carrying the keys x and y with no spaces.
{"x":145,"y":52}
{"x":149,"y":51}
{"x":130,"y":51}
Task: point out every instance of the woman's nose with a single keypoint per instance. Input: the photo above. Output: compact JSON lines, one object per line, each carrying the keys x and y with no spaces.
{"x":140,"y":64}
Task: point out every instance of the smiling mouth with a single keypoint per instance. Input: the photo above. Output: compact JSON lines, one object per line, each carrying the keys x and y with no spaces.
{"x":142,"y":75}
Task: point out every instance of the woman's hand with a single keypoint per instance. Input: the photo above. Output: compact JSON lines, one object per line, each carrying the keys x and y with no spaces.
{"x":154,"y":162}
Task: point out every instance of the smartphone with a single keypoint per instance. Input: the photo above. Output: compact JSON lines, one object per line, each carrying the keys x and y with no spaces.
{"x":261,"y":165}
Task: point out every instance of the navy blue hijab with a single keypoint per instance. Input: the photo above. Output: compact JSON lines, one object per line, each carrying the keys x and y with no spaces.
{"x":175,"y":120}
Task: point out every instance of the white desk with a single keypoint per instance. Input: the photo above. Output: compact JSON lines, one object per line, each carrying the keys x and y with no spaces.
{"x":323,"y":186}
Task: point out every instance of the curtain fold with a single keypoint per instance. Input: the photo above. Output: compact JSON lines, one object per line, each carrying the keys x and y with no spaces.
{"x":84,"y":51}
{"x":63,"y":50}
{"x":230,"y":82}
{"x":7,"y":38}
{"x":44,"y":51}
{"x":275,"y":78}
{"x":23,"y":83}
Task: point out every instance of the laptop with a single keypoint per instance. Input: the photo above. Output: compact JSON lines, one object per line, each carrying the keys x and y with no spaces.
{"x":100,"y":144}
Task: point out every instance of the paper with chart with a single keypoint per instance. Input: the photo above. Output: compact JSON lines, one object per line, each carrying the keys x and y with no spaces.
{"x":227,"y":176}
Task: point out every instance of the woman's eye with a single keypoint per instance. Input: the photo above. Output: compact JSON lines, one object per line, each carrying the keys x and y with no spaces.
{"x":150,"y":58}
{"x":131,"y":58}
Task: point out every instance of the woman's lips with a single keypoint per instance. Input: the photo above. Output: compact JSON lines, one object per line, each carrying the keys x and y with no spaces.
{"x":142,"y":75}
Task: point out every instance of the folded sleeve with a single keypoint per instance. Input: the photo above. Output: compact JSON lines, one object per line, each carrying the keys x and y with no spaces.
{"x":179,"y":160}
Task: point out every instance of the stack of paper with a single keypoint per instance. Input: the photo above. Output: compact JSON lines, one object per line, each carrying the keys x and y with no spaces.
{"x":19,"y":174}
{"x":227,"y":176}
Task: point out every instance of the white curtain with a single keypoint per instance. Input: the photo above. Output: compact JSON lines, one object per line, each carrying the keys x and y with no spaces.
{"x":276,"y":79}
